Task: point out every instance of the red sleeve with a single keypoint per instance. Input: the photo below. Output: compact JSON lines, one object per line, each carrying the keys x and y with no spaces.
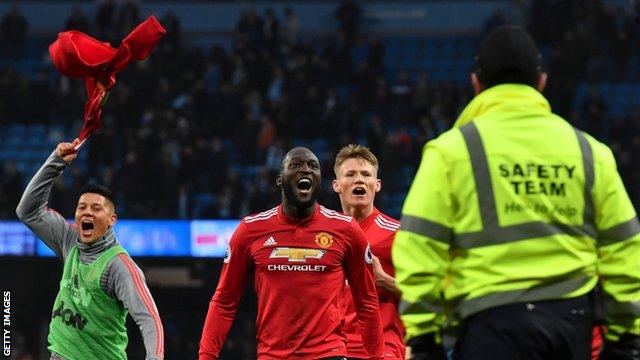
{"x":363,"y":289}
{"x":224,"y":303}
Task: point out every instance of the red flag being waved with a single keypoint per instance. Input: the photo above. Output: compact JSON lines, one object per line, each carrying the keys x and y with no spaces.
{"x":78,"y":55}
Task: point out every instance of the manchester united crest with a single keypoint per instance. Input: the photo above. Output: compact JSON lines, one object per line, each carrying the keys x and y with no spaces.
{"x":324,"y":240}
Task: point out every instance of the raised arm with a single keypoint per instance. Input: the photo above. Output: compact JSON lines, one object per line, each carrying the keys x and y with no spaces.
{"x":32,"y":210}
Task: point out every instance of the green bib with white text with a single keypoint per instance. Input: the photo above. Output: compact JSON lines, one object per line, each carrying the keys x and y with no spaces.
{"x":86,"y":323}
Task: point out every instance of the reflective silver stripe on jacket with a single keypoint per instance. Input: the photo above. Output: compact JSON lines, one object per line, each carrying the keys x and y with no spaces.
{"x":492,"y":233}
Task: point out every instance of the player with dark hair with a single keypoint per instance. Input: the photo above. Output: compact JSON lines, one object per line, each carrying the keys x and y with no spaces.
{"x":100,"y":282}
{"x":357,"y":183}
{"x":299,"y":254}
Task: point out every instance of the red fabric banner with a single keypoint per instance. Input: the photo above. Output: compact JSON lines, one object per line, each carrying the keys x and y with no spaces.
{"x":78,"y":55}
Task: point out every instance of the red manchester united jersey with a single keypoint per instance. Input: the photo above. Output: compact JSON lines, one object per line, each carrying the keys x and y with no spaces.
{"x":379,"y":230}
{"x":299,"y":268}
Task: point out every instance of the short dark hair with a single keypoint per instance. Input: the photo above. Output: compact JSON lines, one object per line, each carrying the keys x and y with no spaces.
{"x":286,"y":156}
{"x":508,"y":55}
{"x":101,"y":190}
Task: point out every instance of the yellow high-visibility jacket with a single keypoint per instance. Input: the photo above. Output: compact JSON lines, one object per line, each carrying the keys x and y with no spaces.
{"x":515,"y":205}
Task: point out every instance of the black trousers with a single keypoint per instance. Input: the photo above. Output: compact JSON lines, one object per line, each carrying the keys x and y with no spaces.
{"x":544,"y":330}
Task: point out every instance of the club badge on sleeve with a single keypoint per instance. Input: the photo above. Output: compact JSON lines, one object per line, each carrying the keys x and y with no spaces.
{"x":368,"y":255}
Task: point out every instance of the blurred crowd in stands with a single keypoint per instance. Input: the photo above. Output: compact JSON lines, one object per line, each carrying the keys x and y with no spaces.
{"x":199,"y":132}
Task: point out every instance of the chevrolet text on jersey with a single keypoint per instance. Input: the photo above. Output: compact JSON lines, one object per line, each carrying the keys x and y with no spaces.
{"x":296,"y":267}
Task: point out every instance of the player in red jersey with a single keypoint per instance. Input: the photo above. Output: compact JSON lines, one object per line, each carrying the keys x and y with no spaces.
{"x":299,"y":254}
{"x":357,"y":183}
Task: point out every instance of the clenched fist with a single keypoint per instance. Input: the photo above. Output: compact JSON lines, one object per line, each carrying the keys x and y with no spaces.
{"x":67,"y":151}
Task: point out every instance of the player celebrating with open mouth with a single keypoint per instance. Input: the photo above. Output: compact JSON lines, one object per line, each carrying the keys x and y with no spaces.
{"x":100,"y":282}
{"x":299,"y":254}
{"x":357,"y":183}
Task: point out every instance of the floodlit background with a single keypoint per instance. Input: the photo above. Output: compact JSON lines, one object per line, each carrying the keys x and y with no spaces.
{"x":192,"y":137}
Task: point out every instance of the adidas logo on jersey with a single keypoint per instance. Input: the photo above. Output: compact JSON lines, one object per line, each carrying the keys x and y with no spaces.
{"x":270,"y":242}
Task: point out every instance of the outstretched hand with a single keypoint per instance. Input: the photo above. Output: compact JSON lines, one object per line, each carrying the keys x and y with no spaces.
{"x":67,"y":151}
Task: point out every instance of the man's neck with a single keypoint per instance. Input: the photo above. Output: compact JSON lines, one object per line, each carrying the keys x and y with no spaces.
{"x":297,"y":212}
{"x":358,"y":213}
{"x":97,"y":246}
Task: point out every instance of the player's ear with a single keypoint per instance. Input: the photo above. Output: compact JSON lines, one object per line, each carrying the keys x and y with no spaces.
{"x":112,"y":219}
{"x":476,"y":84}
{"x":378,"y":185}
{"x":279,"y":180}
{"x":542,"y":81}
{"x":335,"y":185}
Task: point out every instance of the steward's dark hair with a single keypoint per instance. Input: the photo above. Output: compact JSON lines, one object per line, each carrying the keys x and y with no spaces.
{"x":508,"y":55}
